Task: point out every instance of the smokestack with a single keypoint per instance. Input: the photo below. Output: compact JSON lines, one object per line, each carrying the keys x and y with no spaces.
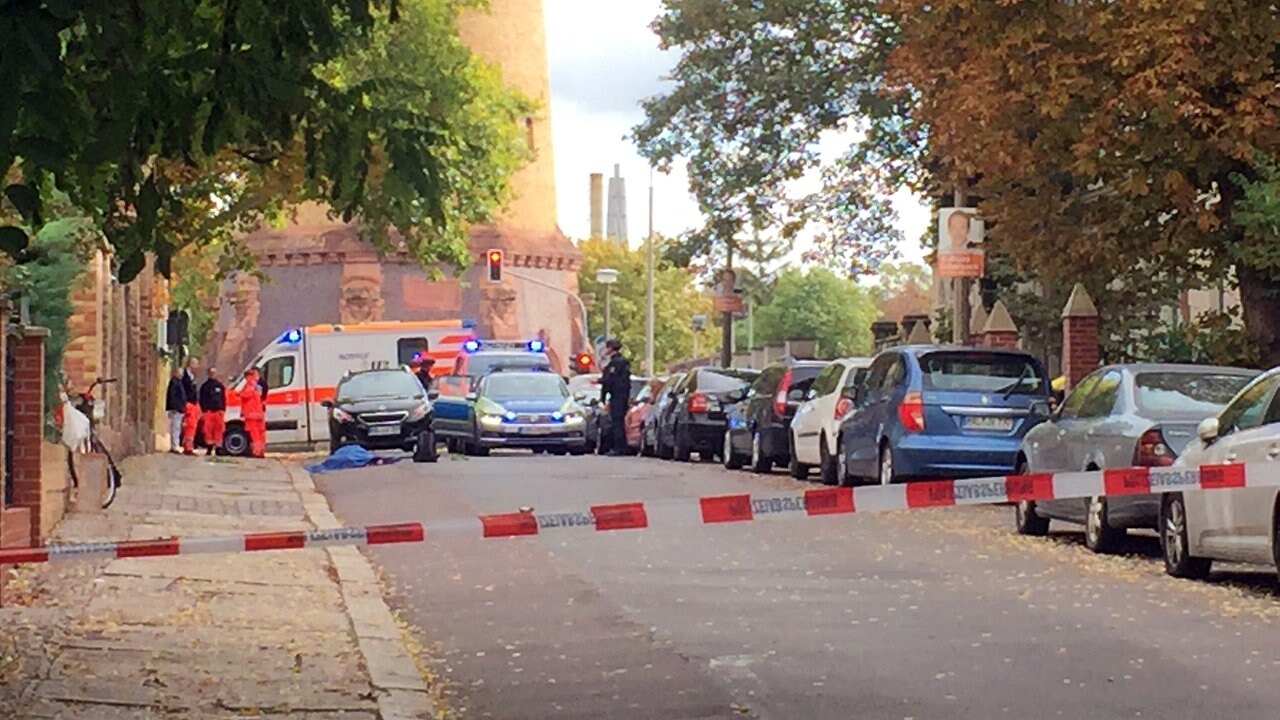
{"x":597,"y":205}
{"x":618,"y":207}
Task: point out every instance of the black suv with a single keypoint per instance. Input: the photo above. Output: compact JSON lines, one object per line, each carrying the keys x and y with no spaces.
{"x":382,"y":410}
{"x":694,"y":419}
{"x":770,"y":404}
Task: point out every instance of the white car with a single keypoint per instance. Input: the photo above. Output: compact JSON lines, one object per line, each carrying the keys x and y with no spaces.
{"x":816,"y":425}
{"x":1238,"y":525}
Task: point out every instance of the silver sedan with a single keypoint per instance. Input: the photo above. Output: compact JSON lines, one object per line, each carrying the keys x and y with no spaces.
{"x":1121,"y":416}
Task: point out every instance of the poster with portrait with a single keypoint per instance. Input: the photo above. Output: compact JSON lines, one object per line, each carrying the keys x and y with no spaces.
{"x":727,"y":298}
{"x":960,"y":236}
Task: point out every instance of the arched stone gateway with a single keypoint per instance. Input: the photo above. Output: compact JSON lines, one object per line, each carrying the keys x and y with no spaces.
{"x":319,"y":271}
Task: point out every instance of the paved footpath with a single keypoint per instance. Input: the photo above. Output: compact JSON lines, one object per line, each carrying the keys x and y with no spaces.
{"x":290,"y":634}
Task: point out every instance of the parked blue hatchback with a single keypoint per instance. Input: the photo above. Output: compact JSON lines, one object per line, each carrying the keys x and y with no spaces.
{"x":938,"y":411}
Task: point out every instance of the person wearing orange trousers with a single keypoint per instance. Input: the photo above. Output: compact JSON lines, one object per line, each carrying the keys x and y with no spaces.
{"x":191,"y":411}
{"x":213,"y":410}
{"x":254,"y":412}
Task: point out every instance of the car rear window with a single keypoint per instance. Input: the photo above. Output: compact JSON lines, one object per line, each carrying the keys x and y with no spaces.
{"x":723,"y":380}
{"x":976,"y":372}
{"x":1201,"y":394}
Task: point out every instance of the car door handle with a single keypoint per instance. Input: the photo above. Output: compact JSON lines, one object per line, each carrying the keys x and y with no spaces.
{"x":1231,"y":457}
{"x":1274,"y":452}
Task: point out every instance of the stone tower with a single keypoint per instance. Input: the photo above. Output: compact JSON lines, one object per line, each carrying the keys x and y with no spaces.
{"x":345,"y":281}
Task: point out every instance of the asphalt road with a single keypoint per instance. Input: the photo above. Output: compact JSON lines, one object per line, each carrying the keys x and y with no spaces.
{"x":918,"y":614}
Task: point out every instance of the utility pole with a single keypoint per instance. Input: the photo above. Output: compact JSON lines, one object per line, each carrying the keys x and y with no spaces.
{"x":960,"y":317}
{"x":648,"y":290}
{"x":726,"y":340}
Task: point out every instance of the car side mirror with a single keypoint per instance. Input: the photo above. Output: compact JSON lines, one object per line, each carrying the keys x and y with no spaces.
{"x":471,"y":397}
{"x":1040,"y":410}
{"x":1209,"y":430}
{"x":327,"y":404}
{"x":433,"y":394}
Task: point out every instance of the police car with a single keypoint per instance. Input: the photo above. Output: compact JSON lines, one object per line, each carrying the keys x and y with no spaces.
{"x":518,"y":408}
{"x":454,"y":416}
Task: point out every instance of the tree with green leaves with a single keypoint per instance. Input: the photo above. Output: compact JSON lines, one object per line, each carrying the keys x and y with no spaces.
{"x":820,"y":305}
{"x":170,"y":121}
{"x":676,"y":300}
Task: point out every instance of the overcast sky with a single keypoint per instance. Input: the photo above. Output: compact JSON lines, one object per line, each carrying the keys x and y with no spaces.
{"x":604,"y":60}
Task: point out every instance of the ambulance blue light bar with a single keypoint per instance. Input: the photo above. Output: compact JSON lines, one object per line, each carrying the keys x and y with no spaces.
{"x":471,"y":346}
{"x":537,"y":346}
{"x":291,"y":337}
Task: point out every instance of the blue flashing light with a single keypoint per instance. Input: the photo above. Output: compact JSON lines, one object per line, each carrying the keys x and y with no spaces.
{"x":291,"y":337}
{"x":509,"y":416}
{"x":537,"y":346}
{"x":468,"y":323}
{"x":471,"y":346}
{"x":557,"y":416}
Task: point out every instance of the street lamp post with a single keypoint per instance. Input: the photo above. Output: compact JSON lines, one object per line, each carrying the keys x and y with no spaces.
{"x":607,"y":277}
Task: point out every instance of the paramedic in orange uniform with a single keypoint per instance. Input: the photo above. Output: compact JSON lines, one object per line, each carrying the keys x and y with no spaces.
{"x":253,"y":411}
{"x":191,"y":410}
{"x":213,"y":407}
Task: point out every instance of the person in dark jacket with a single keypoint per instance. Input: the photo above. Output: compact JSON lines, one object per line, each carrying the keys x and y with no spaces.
{"x":615,"y":391}
{"x":175,"y":404}
{"x":213,"y":410}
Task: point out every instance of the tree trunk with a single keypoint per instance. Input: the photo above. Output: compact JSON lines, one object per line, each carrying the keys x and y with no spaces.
{"x":1260,"y":301}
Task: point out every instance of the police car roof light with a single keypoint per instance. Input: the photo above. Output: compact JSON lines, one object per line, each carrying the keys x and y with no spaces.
{"x":537,"y":346}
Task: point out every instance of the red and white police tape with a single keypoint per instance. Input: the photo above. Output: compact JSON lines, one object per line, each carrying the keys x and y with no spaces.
{"x":813,"y":502}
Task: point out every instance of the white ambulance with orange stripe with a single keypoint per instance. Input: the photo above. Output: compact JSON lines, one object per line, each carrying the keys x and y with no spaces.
{"x":302,"y":368}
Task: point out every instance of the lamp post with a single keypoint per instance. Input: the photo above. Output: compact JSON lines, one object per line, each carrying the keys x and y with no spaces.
{"x":607,"y":277}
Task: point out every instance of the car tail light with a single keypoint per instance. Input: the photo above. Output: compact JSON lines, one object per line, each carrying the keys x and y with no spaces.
{"x":911,"y":412}
{"x":780,"y":399}
{"x":843,"y":407}
{"x":697,"y":403}
{"x":1152,"y":450}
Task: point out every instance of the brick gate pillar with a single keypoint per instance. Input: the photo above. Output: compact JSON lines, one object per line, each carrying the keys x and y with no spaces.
{"x":1000,"y":331}
{"x":1080,"y":328}
{"x":27,"y":404}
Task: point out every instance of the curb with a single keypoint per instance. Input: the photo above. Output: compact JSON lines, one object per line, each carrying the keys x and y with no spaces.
{"x":401,"y":692}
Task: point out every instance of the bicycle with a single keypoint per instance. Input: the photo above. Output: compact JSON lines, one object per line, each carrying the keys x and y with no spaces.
{"x":89,"y":441}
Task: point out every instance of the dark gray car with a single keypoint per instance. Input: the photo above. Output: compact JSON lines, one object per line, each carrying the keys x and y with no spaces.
{"x":1121,"y":416}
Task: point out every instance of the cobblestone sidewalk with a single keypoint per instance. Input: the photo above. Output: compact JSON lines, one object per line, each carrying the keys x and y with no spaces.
{"x":292,"y":634}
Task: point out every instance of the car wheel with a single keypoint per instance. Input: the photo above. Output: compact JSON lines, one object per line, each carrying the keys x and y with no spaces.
{"x":798,"y":470}
{"x":731,"y":460}
{"x":644,"y":445}
{"x":559,"y":451}
{"x":1099,"y":535}
{"x":664,"y":451}
{"x":887,"y":471}
{"x":1025,"y":518}
{"x":759,"y":462}
{"x":683,"y":447}
{"x":826,"y":464}
{"x":578,"y":450}
{"x":425,"y":450}
{"x":235,"y":442}
{"x":1174,"y":541}
{"x":842,"y":466}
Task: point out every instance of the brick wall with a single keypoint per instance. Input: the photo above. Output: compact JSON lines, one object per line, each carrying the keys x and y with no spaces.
{"x":27,"y":405}
{"x":15,"y":532}
{"x":999,"y":339}
{"x":1080,"y":326}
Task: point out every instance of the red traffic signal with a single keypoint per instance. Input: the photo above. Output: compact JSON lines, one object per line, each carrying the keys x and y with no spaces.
{"x":493,"y":259}
{"x":583,"y":362}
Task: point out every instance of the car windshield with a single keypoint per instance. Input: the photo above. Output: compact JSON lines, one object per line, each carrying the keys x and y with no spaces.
{"x":483,"y":364}
{"x":1191,"y":393}
{"x":638,"y":386}
{"x":379,"y":385}
{"x":978,"y":372}
{"x":525,"y":385}
{"x":723,"y":380}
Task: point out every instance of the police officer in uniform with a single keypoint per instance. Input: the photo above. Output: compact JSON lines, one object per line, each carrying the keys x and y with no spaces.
{"x":615,"y":389}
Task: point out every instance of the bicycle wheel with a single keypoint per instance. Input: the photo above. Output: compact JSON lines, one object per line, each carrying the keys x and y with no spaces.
{"x":113,"y":474}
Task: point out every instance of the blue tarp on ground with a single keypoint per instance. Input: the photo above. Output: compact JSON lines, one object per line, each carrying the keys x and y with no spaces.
{"x":349,"y":457}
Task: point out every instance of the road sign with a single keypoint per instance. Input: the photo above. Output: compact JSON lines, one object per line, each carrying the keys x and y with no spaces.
{"x":960,"y":238}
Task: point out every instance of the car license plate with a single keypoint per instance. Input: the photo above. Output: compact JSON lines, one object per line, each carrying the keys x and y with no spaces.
{"x":383,"y":430}
{"x":536,"y":430}
{"x":990,"y":424}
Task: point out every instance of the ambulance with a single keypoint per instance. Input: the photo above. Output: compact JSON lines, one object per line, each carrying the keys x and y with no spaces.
{"x":302,"y":368}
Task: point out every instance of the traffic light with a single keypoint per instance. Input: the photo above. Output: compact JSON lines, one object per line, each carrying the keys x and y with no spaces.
{"x":494,"y":261}
{"x":582,"y":362}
